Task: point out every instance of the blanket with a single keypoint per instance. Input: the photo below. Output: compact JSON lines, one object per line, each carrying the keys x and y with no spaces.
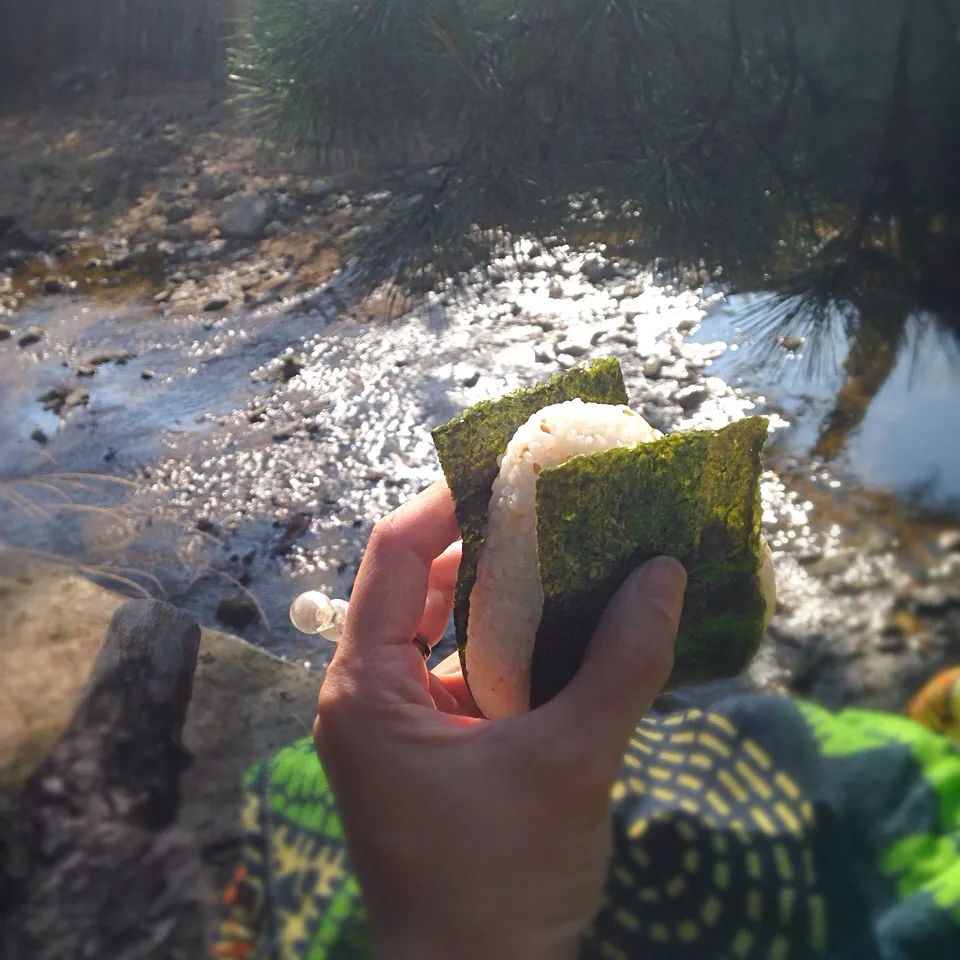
{"x":760,"y":828}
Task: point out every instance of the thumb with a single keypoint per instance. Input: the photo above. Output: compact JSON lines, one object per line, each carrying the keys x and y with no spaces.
{"x":628,"y":661}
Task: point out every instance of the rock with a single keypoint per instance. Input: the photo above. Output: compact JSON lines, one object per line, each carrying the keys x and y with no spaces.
{"x":5,"y":332}
{"x":572,"y":348}
{"x":284,"y":431}
{"x":948,"y":541}
{"x":246,"y":215}
{"x":94,"y":263}
{"x":625,"y":291}
{"x":216,"y":303}
{"x":471,"y":380}
{"x":555,"y":290}
{"x":424,"y":281}
{"x":688,"y":324}
{"x":38,"y":436}
{"x":295,"y":527}
{"x":86,"y":370}
{"x":30,"y":336}
{"x":290,"y":366}
{"x":246,"y":703}
{"x":597,"y":271}
{"x":691,"y":397}
{"x":99,"y":357}
{"x":273,"y":229}
{"x":257,"y":413}
{"x":792,"y":343}
{"x":53,"y":285}
{"x":211,"y":187}
{"x":652,"y":367}
{"x":237,"y":611}
{"x":147,"y":374}
{"x":64,"y":398}
{"x":320,"y":189}
{"x":123,"y":261}
{"x":932,"y":600}
{"x":180,"y":211}
{"x":832,"y":564}
{"x":206,"y":525}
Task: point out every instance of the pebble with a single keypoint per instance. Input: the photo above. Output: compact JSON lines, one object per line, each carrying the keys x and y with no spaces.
{"x":652,"y":367}
{"x":53,"y":285}
{"x":692,"y":397}
{"x":147,"y":374}
{"x":30,"y":336}
{"x":237,"y":611}
{"x":555,"y":290}
{"x":38,"y":436}
{"x":5,"y":332}
{"x":792,"y":343}
{"x":216,"y":303}
{"x":123,"y":262}
{"x":932,"y":600}
{"x":948,"y":541}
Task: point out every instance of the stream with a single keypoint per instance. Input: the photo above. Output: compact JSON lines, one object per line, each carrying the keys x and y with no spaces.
{"x":229,"y":462}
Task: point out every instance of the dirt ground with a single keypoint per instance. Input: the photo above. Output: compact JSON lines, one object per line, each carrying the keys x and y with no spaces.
{"x":151,"y":172}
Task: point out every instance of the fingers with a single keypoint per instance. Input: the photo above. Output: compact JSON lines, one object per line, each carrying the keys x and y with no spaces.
{"x":448,"y":677}
{"x":391,"y":589}
{"x":627,"y":663}
{"x":441,"y":585}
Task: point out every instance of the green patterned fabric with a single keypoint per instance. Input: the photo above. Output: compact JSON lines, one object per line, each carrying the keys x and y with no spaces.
{"x":758,"y":829}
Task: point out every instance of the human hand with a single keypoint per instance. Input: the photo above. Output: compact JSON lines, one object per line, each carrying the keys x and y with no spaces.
{"x":472,"y":838}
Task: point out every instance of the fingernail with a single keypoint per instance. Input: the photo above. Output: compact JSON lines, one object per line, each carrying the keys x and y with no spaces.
{"x":665,"y":579}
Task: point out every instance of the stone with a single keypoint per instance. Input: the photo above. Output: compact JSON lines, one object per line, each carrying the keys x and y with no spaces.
{"x":216,"y":303}
{"x":123,"y":261}
{"x":147,"y":374}
{"x":180,"y":211}
{"x":555,"y":290}
{"x":932,"y":600}
{"x":246,"y":215}
{"x":30,"y":336}
{"x":688,"y":324}
{"x":53,"y":285}
{"x":246,"y":703}
{"x":296,"y":526}
{"x":320,"y":189}
{"x":597,"y":271}
{"x":948,"y":541}
{"x":38,"y":436}
{"x":238,"y":610}
{"x":64,"y":397}
{"x":691,"y":397}
{"x":652,"y":367}
{"x":211,"y":187}
{"x":99,"y":357}
{"x":792,"y":344}
{"x":5,"y":332}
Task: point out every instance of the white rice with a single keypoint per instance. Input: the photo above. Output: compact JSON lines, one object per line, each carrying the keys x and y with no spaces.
{"x":507,"y":600}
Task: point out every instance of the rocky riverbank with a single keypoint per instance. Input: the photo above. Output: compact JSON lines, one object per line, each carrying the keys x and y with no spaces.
{"x":229,"y":444}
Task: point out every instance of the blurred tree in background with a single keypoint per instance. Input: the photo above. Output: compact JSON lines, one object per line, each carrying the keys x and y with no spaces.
{"x":799,"y":143}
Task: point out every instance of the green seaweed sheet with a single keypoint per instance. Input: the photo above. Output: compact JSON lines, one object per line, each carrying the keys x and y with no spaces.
{"x":693,"y":496}
{"x":469,"y":445}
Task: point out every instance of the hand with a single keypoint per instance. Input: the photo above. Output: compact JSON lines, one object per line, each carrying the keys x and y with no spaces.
{"x":472,"y":838}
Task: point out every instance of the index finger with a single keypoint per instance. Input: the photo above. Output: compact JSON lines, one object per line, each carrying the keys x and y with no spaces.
{"x":388,"y":598}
